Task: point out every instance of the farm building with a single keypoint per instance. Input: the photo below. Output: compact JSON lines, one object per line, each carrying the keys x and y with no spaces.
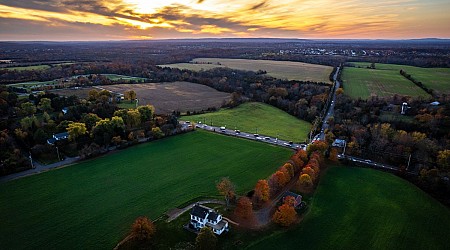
{"x":58,"y":137}
{"x":202,"y":216}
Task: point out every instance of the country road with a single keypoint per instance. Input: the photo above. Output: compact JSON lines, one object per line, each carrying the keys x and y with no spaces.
{"x":256,"y":137}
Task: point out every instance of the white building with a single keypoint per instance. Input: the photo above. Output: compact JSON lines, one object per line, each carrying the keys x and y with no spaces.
{"x":202,"y":216}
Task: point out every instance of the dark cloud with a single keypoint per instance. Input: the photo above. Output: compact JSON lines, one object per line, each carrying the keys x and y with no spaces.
{"x":200,"y":1}
{"x":259,"y":5}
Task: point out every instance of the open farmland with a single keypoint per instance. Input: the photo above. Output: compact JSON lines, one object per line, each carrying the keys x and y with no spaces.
{"x":91,"y":205}
{"x":363,"y":83}
{"x":34,"y":67}
{"x":437,"y":79}
{"x":112,"y":77}
{"x":182,"y":96}
{"x":356,"y":208}
{"x":248,"y":117}
{"x":278,"y":69}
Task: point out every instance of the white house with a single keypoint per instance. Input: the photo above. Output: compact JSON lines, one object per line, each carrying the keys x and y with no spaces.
{"x":202,"y":216}
{"x":58,"y":137}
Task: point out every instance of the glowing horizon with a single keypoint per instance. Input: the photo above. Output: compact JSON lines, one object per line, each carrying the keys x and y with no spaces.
{"x":70,"y":20}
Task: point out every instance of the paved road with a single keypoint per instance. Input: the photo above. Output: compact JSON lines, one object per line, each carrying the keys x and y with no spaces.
{"x":250,"y":136}
{"x":330,"y":111}
{"x":39,"y":168}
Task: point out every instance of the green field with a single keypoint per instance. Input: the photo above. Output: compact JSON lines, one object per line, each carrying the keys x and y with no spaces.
{"x":437,"y":79}
{"x":248,"y":117}
{"x":91,"y":205}
{"x":34,"y":67}
{"x":112,"y":77}
{"x":278,"y":69}
{"x":363,"y":83}
{"x":356,"y":208}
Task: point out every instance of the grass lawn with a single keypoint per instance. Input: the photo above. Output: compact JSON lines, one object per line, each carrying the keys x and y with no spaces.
{"x":34,"y":67}
{"x":437,"y":79}
{"x":363,"y":82}
{"x":247,"y":117}
{"x":112,"y":77}
{"x":279,"y":69}
{"x":356,"y":208}
{"x":126,"y":104}
{"x":92,"y":204}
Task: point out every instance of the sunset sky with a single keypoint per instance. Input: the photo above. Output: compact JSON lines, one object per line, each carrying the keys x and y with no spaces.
{"x":160,"y":19}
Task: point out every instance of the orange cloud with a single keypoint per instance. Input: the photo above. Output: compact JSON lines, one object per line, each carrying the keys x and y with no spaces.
{"x":288,"y":18}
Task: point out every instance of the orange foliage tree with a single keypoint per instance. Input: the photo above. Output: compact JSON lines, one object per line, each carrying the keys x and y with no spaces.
{"x":289,"y":168}
{"x":333,"y":155}
{"x":262,"y":191}
{"x":226,"y":188}
{"x":285,"y":214}
{"x":309,"y":171}
{"x":143,"y":228}
{"x":244,"y":210}
{"x":277,"y":181}
{"x":305,"y":180}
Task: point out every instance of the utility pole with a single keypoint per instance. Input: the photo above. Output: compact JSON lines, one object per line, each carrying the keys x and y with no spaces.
{"x":409,"y":161}
{"x":31,"y":161}
{"x":345,"y":146}
{"x":57,"y":151}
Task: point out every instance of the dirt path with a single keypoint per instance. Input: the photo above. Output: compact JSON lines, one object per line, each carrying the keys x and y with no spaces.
{"x":176,"y":212}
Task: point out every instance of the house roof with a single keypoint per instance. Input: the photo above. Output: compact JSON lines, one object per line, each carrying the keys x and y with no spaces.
{"x":51,"y":141}
{"x":61,"y":135}
{"x":219,"y":225}
{"x":199,"y":211}
{"x":213,"y":216}
{"x":338,"y":143}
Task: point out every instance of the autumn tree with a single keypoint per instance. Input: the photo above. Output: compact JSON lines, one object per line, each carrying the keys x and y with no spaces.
{"x":309,"y":171}
{"x":305,"y":180}
{"x":333,"y":155}
{"x":157,"y":133}
{"x":277,"y":181}
{"x":262,"y":191}
{"x":226,"y":188}
{"x":206,"y":239}
{"x":443,"y":159}
{"x":45,"y":105}
{"x":288,"y":168}
{"x":285,"y":214}
{"x":92,"y":95}
{"x":146,"y":112}
{"x":75,"y":130}
{"x":90,"y":120}
{"x":130,"y":95}
{"x":319,"y":146}
{"x":244,"y":210}
{"x":133,"y":118}
{"x":143,"y":228}
{"x":28,"y":108}
{"x":339,"y":91}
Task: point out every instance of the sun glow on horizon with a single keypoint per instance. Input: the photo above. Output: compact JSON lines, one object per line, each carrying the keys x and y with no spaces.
{"x":234,"y":18}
